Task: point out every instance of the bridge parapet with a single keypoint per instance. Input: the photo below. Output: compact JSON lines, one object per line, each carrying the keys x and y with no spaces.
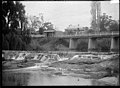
{"x":105,"y":34}
{"x":90,"y":35}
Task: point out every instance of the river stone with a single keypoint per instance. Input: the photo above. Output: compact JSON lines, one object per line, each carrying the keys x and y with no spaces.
{"x":109,"y":80}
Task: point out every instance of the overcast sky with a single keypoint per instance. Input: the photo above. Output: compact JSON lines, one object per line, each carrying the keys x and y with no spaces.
{"x":64,"y":13}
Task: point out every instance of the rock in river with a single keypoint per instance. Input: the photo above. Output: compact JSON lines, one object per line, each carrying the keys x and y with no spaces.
{"x":111,"y":81}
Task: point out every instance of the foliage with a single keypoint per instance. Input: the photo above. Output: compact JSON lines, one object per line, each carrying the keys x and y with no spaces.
{"x":90,"y":31}
{"x":114,"y":26}
{"x":48,"y":26}
{"x":108,"y":24}
{"x":37,"y":23}
{"x":82,"y":45}
{"x":61,"y":41}
{"x":103,"y":44}
{"x":14,"y":35}
{"x":34,"y":22}
{"x":13,"y":13}
{"x":5,"y":43}
{"x":69,"y":32}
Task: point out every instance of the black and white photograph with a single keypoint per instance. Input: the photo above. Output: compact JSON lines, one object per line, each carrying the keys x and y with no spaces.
{"x":60,"y":43}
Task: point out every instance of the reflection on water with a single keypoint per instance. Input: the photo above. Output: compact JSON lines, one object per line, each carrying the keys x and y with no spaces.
{"x":44,"y":79}
{"x":38,"y":78}
{"x":15,"y":79}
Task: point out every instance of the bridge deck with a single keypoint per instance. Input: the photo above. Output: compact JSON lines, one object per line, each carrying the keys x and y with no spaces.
{"x":97,"y":35}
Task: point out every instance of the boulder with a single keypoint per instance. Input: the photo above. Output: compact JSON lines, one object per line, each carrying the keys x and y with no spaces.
{"x":111,"y":81}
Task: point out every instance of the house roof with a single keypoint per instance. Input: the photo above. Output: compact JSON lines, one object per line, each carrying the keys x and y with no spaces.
{"x":49,"y":31}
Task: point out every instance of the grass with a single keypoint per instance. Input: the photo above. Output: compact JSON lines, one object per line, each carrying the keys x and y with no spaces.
{"x":49,"y":44}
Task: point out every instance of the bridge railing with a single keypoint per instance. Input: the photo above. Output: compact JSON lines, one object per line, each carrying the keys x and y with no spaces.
{"x":83,"y":34}
{"x":89,"y":34}
{"x":37,"y":35}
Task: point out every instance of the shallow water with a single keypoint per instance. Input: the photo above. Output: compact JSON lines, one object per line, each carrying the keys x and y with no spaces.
{"x":39,"y":78}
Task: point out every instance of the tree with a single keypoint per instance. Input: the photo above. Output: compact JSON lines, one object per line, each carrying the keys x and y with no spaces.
{"x":103,"y":20}
{"x":108,"y":24}
{"x":12,"y":41}
{"x":15,"y":42}
{"x":15,"y":36}
{"x":90,"y":31}
{"x":21,"y":13}
{"x":113,"y":26}
{"x":13,"y":13}
{"x":48,"y":26}
{"x":103,"y":44}
{"x":5,"y":44}
{"x":82,"y":45}
{"x":19,"y":44}
{"x":34,"y":22}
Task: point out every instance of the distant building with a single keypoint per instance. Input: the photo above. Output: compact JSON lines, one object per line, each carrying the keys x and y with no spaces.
{"x":32,"y":31}
{"x":49,"y":33}
{"x":75,"y":30}
{"x":59,"y":33}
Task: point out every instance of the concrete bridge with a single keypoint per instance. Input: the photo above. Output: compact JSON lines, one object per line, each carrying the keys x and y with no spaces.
{"x":92,"y":39}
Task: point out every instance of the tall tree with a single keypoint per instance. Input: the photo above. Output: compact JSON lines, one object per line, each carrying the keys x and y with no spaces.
{"x":13,"y":24}
{"x":108,"y":24}
{"x":48,"y":26}
{"x":5,"y":44}
{"x":13,"y":14}
{"x":113,"y":26}
{"x":103,"y":20}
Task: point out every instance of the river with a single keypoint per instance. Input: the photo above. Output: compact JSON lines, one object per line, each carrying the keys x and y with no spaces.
{"x":42,"y":78}
{"x":37,"y":79}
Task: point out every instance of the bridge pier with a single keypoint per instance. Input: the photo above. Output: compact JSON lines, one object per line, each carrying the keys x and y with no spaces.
{"x":73,"y":44}
{"x":114,"y":44}
{"x":92,"y":44}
